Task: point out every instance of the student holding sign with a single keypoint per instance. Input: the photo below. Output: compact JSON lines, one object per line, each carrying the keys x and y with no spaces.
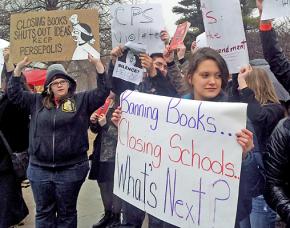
{"x":58,"y":141}
{"x":277,"y":192}
{"x":158,"y":78}
{"x":207,"y":78}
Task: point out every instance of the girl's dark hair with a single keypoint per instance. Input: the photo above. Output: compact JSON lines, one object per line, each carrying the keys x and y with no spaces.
{"x":206,"y":53}
{"x":89,"y":30}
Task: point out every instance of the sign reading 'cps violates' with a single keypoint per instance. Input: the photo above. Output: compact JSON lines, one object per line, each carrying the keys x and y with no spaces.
{"x":59,"y":35}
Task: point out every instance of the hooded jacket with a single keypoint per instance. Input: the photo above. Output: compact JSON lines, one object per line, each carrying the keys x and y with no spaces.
{"x":58,"y":136}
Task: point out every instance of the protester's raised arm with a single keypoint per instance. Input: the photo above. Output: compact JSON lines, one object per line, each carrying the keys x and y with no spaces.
{"x":273,"y":52}
{"x":164,"y":36}
{"x":15,"y":89}
{"x":147,"y":63}
{"x":181,"y":50}
{"x":174,"y":73}
{"x":98,"y":64}
{"x":96,"y":98}
{"x":116,"y":53}
{"x":9,"y":67}
{"x":20,"y":66}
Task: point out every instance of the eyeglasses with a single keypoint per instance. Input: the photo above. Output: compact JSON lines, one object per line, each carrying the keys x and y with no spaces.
{"x":59,"y":83}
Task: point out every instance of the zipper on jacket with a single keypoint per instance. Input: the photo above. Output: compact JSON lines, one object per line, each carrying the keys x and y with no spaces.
{"x":53,"y":138}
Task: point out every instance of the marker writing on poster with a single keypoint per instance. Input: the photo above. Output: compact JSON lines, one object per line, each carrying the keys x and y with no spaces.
{"x":139,"y":189}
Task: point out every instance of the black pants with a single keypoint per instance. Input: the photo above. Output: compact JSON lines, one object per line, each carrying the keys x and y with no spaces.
{"x":12,"y":205}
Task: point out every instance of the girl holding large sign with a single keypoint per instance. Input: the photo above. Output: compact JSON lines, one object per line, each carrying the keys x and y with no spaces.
{"x":207,"y":78}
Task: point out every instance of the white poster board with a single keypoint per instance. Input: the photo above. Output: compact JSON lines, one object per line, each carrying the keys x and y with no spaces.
{"x":141,"y":23}
{"x":275,"y":9}
{"x":3,"y":44}
{"x":179,"y":159}
{"x":201,"y":40}
{"x":225,"y":31}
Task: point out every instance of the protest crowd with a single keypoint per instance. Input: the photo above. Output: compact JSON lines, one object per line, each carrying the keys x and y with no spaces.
{"x":52,"y":134}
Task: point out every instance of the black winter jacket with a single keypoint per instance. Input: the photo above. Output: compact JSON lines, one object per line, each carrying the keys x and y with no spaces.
{"x":279,"y":64}
{"x":58,"y":136}
{"x":277,"y":159}
{"x":277,"y":167}
{"x":14,"y":124}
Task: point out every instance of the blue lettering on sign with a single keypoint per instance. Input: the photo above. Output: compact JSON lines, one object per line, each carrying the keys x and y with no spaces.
{"x":137,"y":187}
{"x":179,"y":207}
{"x":192,"y":211}
{"x":132,"y":108}
{"x":198,"y":122}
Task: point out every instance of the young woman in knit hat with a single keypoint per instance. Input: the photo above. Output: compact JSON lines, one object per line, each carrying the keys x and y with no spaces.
{"x":58,"y":141}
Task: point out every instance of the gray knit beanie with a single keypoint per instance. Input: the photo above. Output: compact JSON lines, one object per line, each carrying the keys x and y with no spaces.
{"x":57,"y":70}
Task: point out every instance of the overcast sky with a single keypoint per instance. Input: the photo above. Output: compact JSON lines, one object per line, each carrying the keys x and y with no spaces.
{"x":169,"y":17}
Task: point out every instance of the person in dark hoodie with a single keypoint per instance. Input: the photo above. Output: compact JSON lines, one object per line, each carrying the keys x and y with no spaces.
{"x":58,"y":141}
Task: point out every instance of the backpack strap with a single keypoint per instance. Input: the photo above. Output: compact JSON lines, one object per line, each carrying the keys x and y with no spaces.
{"x":6,"y":144}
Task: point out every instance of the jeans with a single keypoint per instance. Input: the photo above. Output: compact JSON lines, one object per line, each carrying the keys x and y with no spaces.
{"x":55,"y":193}
{"x":262,"y":216}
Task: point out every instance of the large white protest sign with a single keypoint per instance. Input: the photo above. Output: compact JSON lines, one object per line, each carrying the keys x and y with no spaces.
{"x":275,"y":9}
{"x":225,"y":32}
{"x":3,"y":44}
{"x":140,"y":23}
{"x":179,"y":159}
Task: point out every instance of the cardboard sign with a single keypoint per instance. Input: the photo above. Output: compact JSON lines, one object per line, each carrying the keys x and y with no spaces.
{"x":128,"y":67}
{"x":179,"y":159}
{"x":140,"y":23}
{"x":275,"y":9}
{"x":179,"y":35}
{"x":225,"y":31}
{"x":60,"y":35}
